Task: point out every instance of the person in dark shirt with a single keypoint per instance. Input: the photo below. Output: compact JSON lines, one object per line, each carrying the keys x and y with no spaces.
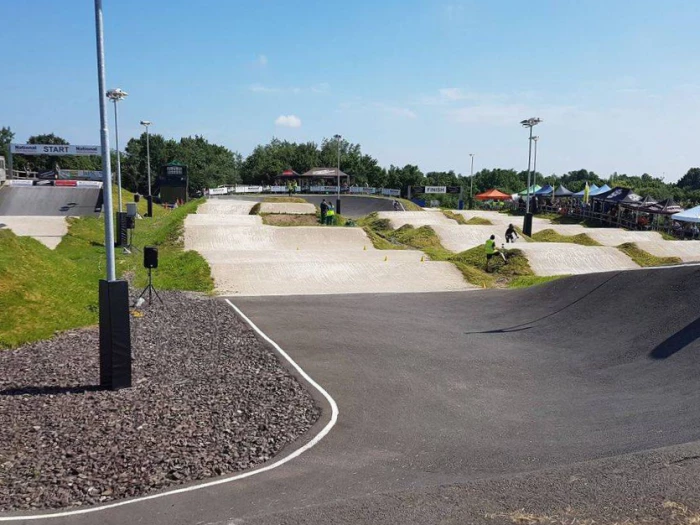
{"x":511,"y":234}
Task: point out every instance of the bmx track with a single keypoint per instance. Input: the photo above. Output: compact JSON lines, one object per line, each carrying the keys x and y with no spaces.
{"x":468,"y":392}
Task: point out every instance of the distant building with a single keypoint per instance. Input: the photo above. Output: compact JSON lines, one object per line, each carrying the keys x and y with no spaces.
{"x":314,"y":177}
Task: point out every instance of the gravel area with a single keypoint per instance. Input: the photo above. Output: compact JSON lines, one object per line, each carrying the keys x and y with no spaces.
{"x":208,"y":400}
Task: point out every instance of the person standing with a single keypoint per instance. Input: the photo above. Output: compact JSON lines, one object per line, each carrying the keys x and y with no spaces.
{"x":324,"y":211}
{"x":330,"y":214}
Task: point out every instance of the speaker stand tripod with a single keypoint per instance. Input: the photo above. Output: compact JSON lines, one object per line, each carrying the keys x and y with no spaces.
{"x":150,"y":289}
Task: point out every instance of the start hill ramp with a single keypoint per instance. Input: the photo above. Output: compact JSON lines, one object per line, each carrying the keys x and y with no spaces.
{"x":40,"y":211}
{"x":254,"y":259}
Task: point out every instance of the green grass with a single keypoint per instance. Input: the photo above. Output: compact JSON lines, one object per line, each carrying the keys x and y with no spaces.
{"x":454,"y":216}
{"x":550,"y":235}
{"x":644,"y":259}
{"x":472,"y":263}
{"x":525,"y":281}
{"x":478,"y":221}
{"x":46,"y":291}
{"x":285,"y":199}
{"x":667,"y":236}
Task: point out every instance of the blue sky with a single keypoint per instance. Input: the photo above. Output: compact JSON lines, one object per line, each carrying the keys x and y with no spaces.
{"x":616,"y":82}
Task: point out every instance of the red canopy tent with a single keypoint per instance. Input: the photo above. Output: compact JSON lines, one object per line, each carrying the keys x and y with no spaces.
{"x":493,"y":195}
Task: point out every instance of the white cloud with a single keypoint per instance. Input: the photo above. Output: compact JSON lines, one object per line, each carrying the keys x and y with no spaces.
{"x":258,"y":88}
{"x":262,"y":60}
{"x":295,"y":90}
{"x":396,"y":111}
{"x":288,"y":121}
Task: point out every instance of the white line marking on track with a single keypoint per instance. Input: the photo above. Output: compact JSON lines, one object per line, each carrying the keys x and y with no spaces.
{"x":324,"y":431}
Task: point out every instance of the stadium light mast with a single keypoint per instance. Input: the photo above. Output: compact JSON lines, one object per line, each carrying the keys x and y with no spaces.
{"x":115,"y":95}
{"x":529,"y":123}
{"x":534,"y":164}
{"x":337,"y":173}
{"x":147,"y":123}
{"x":115,"y":331}
{"x":471,"y":183}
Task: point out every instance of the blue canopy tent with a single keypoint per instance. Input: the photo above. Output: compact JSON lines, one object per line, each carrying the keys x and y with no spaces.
{"x":533,"y":189}
{"x":603,"y":189}
{"x":579,"y":194}
{"x":546,"y":190}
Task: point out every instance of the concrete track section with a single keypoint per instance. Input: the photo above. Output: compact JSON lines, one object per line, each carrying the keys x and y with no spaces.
{"x":293,"y":208}
{"x":415,"y":218}
{"x":552,"y":258}
{"x":471,"y":388}
{"x":688,"y":251}
{"x":249,"y":258}
{"x":50,"y":200}
{"x":225,"y":206}
{"x":47,"y":230}
{"x":460,"y":237}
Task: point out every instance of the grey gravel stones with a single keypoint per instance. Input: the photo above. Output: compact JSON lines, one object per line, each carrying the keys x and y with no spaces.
{"x":208,"y":400}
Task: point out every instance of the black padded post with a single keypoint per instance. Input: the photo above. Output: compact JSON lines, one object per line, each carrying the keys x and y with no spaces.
{"x":115,"y":335}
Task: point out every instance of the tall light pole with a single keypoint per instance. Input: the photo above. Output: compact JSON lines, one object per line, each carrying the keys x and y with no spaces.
{"x":115,"y":331}
{"x":534,"y":163}
{"x":115,"y":95}
{"x":471,"y":183}
{"x":337,"y":173}
{"x":527,"y":225}
{"x":147,"y":123}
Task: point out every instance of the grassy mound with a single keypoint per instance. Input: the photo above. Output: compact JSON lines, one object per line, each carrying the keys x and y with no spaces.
{"x":285,"y":199}
{"x":643,"y":258}
{"x":454,"y":216}
{"x":478,"y":221}
{"x":44,"y":291}
{"x":472,"y":263}
{"x":552,"y":236}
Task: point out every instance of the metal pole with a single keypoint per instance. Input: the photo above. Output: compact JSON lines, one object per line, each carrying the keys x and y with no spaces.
{"x":529,"y":160}
{"x":471,"y":183}
{"x":534,"y":164}
{"x":337,"y":200}
{"x":148,"y":160}
{"x":119,"y":162}
{"x":104,"y":141}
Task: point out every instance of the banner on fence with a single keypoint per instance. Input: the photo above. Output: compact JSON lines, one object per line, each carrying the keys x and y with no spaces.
{"x":248,"y":189}
{"x":393,"y":193}
{"x":18,"y":182}
{"x":89,"y":184}
{"x":218,"y":191}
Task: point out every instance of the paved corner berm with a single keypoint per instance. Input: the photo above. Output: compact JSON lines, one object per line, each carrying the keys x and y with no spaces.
{"x":115,"y":335}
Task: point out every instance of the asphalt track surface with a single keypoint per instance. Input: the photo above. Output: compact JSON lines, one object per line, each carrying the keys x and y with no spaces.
{"x":354,"y":207}
{"x":438,"y":392}
{"x":50,"y":200}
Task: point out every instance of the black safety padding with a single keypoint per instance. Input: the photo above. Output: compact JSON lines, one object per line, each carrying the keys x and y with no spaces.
{"x":115,"y":335}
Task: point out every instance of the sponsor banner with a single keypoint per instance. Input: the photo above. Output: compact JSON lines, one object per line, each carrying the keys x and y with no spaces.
{"x":71,"y":183}
{"x":54,"y":149}
{"x":435,"y":189}
{"x":453,"y":189}
{"x":323,"y":189}
{"x":218,"y":191}
{"x":43,"y":183}
{"x":18,"y":182}
{"x":88,"y":184}
{"x":248,"y":189}
{"x":80,"y":174}
{"x":357,"y":189}
{"x":278,"y":189}
{"x":393,"y":193}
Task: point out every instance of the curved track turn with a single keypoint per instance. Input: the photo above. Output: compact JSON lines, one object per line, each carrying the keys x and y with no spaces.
{"x":449,"y":388}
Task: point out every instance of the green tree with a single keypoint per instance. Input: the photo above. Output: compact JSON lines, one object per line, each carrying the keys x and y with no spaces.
{"x":6,"y":137}
{"x":691,"y":180}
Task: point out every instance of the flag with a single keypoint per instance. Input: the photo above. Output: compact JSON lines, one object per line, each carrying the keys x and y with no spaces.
{"x":585,"y":193}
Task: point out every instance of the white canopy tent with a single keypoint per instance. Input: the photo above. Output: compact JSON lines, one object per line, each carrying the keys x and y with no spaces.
{"x":691,"y":215}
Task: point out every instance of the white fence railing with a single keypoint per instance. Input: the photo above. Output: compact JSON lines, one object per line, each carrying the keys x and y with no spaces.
{"x":355,"y":190}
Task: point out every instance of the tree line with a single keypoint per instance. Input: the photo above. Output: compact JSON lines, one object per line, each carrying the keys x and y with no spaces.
{"x":211,"y":165}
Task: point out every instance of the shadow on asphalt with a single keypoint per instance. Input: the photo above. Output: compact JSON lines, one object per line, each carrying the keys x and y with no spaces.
{"x":677,"y":341}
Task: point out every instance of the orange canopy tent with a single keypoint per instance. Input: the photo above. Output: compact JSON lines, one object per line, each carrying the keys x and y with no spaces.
{"x":493,"y":195}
